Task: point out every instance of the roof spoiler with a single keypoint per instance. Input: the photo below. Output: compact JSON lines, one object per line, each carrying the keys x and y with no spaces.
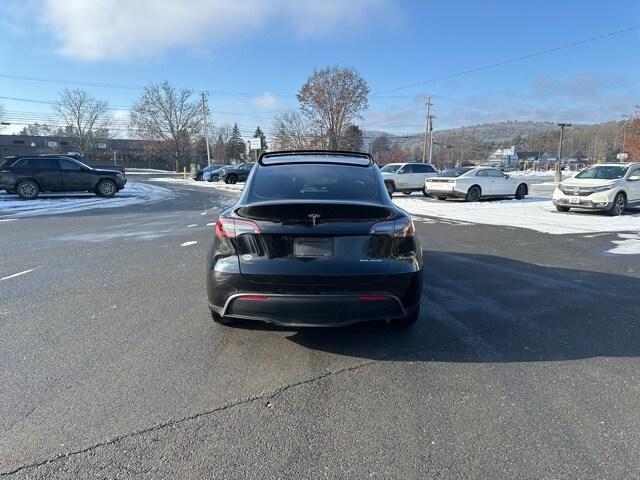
{"x":336,"y":157}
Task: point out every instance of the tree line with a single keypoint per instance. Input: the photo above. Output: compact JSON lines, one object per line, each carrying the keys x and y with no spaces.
{"x":170,"y":121}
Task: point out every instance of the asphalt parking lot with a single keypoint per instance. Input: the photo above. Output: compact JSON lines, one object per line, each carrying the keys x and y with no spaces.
{"x":524,"y":363}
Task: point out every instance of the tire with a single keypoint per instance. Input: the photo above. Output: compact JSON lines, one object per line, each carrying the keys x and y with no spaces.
{"x":474,"y":194}
{"x":232,"y":179}
{"x":424,"y":192}
{"x":442,"y":198}
{"x":390,"y":188}
{"x":407,"y":193}
{"x":560,"y":208}
{"x":106,"y":188}
{"x":521,"y":191}
{"x":619,"y":204}
{"x":28,"y":190}
{"x":407,"y":321}
{"x":221,"y":320}
{"x":214,"y":178}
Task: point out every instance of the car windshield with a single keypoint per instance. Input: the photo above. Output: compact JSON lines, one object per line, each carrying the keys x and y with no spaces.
{"x":455,"y":172}
{"x":391,"y":168}
{"x":604,"y":172}
{"x":315,"y":182}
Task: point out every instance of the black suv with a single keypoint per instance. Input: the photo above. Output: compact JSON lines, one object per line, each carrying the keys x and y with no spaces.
{"x":236,"y":173}
{"x":28,"y":176}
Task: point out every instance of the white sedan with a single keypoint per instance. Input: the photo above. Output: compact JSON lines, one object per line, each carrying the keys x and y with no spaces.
{"x":474,"y":183}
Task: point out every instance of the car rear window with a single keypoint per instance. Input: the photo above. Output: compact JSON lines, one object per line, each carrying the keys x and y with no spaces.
{"x":315,"y":182}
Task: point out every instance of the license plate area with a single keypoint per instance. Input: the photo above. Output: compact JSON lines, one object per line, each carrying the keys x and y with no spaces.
{"x":312,"y":247}
{"x":575,"y":200}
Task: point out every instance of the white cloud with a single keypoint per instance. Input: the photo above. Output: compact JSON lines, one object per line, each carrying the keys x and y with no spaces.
{"x":266,"y":101}
{"x":100,"y":29}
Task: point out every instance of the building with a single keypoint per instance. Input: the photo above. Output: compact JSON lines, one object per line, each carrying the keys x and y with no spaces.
{"x":504,"y":158}
{"x":127,"y":152}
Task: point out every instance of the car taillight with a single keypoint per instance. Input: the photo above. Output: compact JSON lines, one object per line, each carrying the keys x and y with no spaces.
{"x":231,"y":228}
{"x":400,"y":229}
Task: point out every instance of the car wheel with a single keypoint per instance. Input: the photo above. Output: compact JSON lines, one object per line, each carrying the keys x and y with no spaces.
{"x":619,"y":204}
{"x":407,"y":193}
{"x":232,"y":179}
{"x":214,"y":178}
{"x":442,"y":198}
{"x":28,"y":190}
{"x":406,"y":321}
{"x":473,"y":194}
{"x":221,"y":320}
{"x":560,"y":208}
{"x":106,"y":188}
{"x":521,"y":191}
{"x":390,"y":188}
{"x":424,"y":192}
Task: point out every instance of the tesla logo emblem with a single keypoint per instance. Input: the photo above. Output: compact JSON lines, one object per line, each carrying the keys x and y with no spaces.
{"x":314,"y":218}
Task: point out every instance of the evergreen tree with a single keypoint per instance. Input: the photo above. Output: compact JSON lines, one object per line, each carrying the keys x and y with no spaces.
{"x":236,"y":147}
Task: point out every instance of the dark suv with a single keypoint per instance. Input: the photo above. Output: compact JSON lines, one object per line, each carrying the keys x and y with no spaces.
{"x":236,"y":173}
{"x":28,"y":176}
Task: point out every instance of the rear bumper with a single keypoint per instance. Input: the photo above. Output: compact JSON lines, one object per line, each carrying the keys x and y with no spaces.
{"x":395,"y":297}
{"x":445,"y":193}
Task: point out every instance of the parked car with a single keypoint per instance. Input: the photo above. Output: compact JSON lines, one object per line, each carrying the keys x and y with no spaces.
{"x":236,"y":173}
{"x":198,"y":175}
{"x":475,"y":183}
{"x":406,"y":177}
{"x":213,"y":175}
{"x":79,"y":158}
{"x":610,"y":187}
{"x":314,"y":240}
{"x":28,"y":176}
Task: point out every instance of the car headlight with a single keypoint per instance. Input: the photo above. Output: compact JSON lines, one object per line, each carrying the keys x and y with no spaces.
{"x":603,"y":188}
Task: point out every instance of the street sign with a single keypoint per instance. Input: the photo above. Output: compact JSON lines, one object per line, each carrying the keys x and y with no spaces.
{"x":255,"y":144}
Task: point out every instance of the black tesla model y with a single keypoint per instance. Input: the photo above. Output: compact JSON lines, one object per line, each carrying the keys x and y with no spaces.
{"x":314,"y":240}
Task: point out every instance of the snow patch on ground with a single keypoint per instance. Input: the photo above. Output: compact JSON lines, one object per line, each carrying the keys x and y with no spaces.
{"x":628,"y":245}
{"x":187,"y":244}
{"x":534,"y":213}
{"x":237,"y":188}
{"x":147,"y":171}
{"x":53,"y":204}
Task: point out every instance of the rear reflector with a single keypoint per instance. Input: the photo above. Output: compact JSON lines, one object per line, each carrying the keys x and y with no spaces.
{"x":373,"y":298}
{"x":254,"y":298}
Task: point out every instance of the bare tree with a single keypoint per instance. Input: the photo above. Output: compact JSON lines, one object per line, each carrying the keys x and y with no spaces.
{"x":84,"y":115}
{"x":164,"y":113}
{"x":291,"y":132}
{"x":332,"y":98}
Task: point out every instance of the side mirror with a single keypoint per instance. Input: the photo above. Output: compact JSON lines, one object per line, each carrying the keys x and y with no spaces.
{"x":506,"y":176}
{"x":633,"y":178}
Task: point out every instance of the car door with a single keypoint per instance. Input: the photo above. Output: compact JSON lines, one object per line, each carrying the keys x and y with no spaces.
{"x":500,"y":184}
{"x":403,"y":177}
{"x":420,"y":173}
{"x":75,"y":176}
{"x":633,"y":185}
{"x":482,"y":178}
{"x":47,"y":172}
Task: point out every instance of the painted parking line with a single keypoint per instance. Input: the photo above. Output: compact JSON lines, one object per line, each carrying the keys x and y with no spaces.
{"x":17,"y":274}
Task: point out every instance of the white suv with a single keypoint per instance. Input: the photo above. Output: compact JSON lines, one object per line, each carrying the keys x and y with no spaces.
{"x":406,"y":177}
{"x":610,"y":187}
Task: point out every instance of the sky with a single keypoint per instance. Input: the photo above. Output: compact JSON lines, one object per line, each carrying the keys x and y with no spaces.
{"x":581,"y":65}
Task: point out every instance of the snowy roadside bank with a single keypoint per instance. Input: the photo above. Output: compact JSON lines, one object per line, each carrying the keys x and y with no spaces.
{"x":51,"y":204}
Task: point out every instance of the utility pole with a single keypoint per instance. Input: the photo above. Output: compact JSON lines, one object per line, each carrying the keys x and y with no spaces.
{"x":206,"y":131}
{"x":427,"y":127}
{"x":430,"y":138}
{"x":558,"y":174}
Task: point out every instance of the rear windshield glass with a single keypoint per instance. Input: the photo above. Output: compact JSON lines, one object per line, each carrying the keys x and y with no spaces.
{"x":315,"y":182}
{"x":455,"y":172}
{"x":603,"y":172}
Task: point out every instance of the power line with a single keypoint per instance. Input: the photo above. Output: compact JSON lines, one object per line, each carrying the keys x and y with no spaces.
{"x":510,"y":60}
